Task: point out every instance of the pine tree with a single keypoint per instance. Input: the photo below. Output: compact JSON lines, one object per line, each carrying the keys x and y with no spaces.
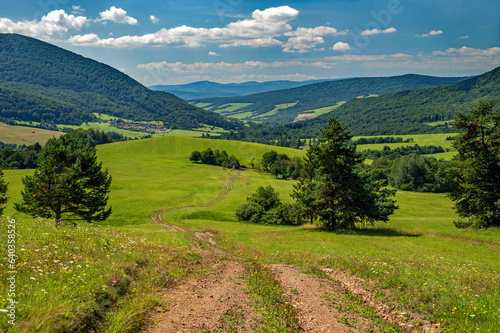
{"x":68,"y":183}
{"x":332,"y":187}
{"x":475,"y":177}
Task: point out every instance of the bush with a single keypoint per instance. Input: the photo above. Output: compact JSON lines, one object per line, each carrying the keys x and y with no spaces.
{"x":249,"y":211}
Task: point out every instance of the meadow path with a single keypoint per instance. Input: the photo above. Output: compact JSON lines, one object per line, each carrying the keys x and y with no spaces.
{"x":218,"y":300}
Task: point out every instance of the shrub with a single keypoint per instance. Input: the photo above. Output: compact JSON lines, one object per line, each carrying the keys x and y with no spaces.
{"x":249,"y":211}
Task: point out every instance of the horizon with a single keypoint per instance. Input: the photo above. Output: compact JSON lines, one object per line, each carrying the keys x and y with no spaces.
{"x":232,"y":41}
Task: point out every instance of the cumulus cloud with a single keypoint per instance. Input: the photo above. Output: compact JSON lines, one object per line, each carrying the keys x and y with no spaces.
{"x":117,"y":15}
{"x":154,"y":19}
{"x":261,"y":30}
{"x":303,"y":39}
{"x":469,"y":51}
{"x":212,"y":53}
{"x":431,"y":33}
{"x":55,"y":22}
{"x":340,"y":46}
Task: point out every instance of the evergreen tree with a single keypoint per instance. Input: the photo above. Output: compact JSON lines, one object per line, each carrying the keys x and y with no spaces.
{"x":3,"y":192}
{"x":334,"y":189}
{"x":475,"y":177}
{"x":68,"y":183}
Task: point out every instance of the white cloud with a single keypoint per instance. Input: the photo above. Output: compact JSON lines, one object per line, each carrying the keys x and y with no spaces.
{"x":469,"y":51}
{"x":204,"y":67}
{"x":463,"y":37}
{"x":378,"y":31}
{"x":262,"y":29}
{"x":303,"y":39}
{"x":431,"y":33}
{"x":117,"y":15}
{"x":154,"y":19}
{"x":55,"y":22}
{"x":340,"y":46}
{"x":212,"y":53}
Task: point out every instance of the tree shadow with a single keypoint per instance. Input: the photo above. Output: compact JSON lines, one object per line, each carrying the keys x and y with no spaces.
{"x":371,"y":232}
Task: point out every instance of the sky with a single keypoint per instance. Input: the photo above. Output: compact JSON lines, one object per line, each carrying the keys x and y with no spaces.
{"x":182,"y":41}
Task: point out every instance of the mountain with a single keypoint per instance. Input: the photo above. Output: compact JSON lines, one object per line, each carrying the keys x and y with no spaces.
{"x":207,"y":89}
{"x":41,"y":82}
{"x":283,"y":106}
{"x":405,"y":112}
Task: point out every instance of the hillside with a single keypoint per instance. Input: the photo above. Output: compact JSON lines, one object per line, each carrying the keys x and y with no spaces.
{"x":44,"y":83}
{"x":283,"y":106}
{"x":207,"y":89}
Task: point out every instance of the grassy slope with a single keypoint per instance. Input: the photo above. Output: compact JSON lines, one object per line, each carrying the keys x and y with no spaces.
{"x":430,"y":266}
{"x":21,"y":135}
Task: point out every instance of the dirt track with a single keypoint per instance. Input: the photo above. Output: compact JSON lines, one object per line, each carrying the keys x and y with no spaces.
{"x":218,"y":301}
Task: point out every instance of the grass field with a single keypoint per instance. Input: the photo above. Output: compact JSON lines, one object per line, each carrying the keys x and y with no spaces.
{"x":450,"y":275}
{"x":438,"y":139}
{"x":324,"y":110}
{"x":230,"y":107}
{"x":275,"y":110}
{"x":22,"y":135}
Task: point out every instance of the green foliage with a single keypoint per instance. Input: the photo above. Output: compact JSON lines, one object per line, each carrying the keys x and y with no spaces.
{"x":334,"y":190}
{"x":416,"y":173}
{"x":249,"y":210}
{"x":3,"y":192}
{"x":475,"y":174}
{"x":266,"y":196}
{"x":216,"y":157}
{"x":67,"y":183}
{"x":280,"y":165}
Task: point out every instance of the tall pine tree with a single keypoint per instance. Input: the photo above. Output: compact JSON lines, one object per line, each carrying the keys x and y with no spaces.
{"x":334,"y":190}
{"x":475,"y":177}
{"x":68,"y":183}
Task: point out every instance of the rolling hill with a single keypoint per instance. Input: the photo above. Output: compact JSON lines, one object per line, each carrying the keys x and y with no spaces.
{"x":207,"y":89}
{"x":405,"y":112}
{"x":41,"y":82}
{"x":283,"y":106}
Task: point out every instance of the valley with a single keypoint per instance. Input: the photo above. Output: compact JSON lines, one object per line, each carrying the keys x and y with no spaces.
{"x":175,"y":256}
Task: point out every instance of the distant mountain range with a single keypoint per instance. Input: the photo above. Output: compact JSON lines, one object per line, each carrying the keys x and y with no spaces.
{"x":207,"y":89}
{"x":284,"y":106}
{"x":40,"y":82}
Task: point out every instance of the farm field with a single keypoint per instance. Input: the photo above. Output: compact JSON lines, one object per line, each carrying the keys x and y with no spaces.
{"x":418,"y":262}
{"x":22,"y":135}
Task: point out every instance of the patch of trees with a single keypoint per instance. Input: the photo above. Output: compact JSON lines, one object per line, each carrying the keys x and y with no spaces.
{"x":335,"y":190}
{"x":411,"y":173}
{"x":381,"y":139}
{"x":265,"y":207}
{"x":280,"y":165}
{"x":402,"y":151}
{"x":215,"y":157}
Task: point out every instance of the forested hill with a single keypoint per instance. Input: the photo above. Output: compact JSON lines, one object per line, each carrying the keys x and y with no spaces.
{"x":320,"y":95}
{"x":407,"y":112}
{"x":44,"y":83}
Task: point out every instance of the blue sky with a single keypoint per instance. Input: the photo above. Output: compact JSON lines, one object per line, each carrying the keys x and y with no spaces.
{"x":180,"y":41}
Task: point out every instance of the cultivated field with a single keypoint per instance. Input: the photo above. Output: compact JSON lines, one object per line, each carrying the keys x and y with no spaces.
{"x":21,"y":135}
{"x":416,"y":271}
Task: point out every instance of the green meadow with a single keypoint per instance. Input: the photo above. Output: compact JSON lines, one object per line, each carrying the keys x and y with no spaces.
{"x":101,"y":274}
